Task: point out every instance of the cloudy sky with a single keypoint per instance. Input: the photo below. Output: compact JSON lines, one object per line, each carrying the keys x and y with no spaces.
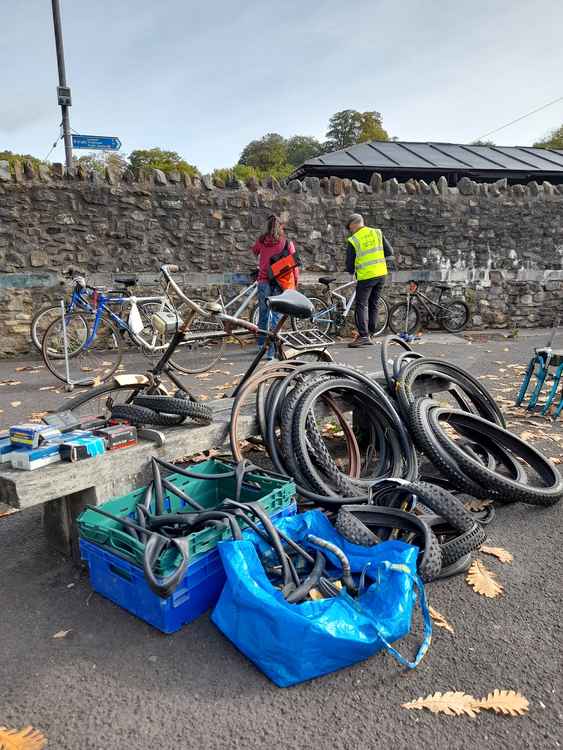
{"x":204,"y":78}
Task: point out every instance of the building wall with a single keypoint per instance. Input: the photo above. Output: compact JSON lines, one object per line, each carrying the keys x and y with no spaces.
{"x":500,"y":247}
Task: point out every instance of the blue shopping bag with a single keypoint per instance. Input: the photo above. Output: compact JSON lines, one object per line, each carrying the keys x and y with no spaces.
{"x":291,"y":643}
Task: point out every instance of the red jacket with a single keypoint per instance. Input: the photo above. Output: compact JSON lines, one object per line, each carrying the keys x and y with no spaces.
{"x":265,"y":248}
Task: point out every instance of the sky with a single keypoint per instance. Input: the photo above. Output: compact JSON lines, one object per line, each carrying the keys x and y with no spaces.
{"x":205,"y":78}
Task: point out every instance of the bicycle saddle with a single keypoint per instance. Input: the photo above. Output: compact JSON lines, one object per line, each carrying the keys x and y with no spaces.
{"x":442,"y":286}
{"x":291,"y":303}
{"x":127,"y":280}
{"x":326,"y":280}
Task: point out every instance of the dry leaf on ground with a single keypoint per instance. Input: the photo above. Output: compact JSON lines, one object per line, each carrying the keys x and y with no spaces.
{"x":476,"y":504}
{"x":451,"y":703}
{"x":499,"y":552}
{"x":27,"y":738}
{"x":62,"y":633}
{"x":507,"y":702}
{"x":15,"y":403}
{"x":47,"y":387}
{"x":527,"y":436}
{"x":555,"y":460}
{"x":483,"y":581}
{"x":439,"y":620}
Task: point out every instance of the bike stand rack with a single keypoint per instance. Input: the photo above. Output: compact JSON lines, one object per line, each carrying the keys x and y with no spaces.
{"x":69,"y":384}
{"x":312,"y":337}
{"x":539,"y":367}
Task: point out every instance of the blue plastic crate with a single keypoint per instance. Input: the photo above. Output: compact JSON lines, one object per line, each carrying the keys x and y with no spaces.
{"x":117,"y":579}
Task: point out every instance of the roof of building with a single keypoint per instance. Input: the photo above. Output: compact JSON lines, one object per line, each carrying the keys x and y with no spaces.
{"x":403,"y":158}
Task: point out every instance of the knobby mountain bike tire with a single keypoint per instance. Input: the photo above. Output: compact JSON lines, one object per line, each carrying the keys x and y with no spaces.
{"x":99,"y":401}
{"x":183,"y":407}
{"x":398,"y":318}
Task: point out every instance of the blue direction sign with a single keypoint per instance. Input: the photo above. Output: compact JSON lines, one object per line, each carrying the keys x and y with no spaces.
{"x":101,"y":142}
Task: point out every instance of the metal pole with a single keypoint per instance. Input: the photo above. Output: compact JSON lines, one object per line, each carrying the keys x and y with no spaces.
{"x":62,"y":80}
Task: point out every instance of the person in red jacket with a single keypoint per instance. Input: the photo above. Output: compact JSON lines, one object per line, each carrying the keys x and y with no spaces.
{"x":266,"y":246}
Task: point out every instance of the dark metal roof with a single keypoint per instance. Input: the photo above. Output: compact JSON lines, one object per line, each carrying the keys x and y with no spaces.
{"x":404,"y":158}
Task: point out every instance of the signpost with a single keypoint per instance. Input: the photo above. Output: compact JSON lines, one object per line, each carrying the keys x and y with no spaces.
{"x":99,"y":142}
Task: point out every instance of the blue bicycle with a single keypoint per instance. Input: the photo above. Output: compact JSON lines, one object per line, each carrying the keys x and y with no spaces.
{"x":88,"y":338}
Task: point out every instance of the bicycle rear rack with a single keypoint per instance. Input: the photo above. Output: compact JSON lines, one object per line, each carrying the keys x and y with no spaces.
{"x":310,"y":338}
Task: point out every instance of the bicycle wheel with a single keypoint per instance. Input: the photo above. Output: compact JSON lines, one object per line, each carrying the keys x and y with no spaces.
{"x":382,"y":317}
{"x":99,"y":401}
{"x":87,"y":365}
{"x":203,"y":346}
{"x":455,"y":317}
{"x":41,"y":321}
{"x":310,"y":355}
{"x":320,"y":319}
{"x":398,"y":318}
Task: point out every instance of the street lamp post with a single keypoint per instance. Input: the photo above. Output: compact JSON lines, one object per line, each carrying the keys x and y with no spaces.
{"x":63,"y":90}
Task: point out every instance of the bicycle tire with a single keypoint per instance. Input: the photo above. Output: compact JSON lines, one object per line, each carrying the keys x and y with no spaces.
{"x":320,"y":318}
{"x":463,"y":544}
{"x":465,"y":316}
{"x":200,"y":353}
{"x":382,"y":315}
{"x":396,"y":326}
{"x":505,"y":488}
{"x":140,"y":415}
{"x":385,"y":361}
{"x":184,"y":407}
{"x":36,"y":338}
{"x":54,"y":362}
{"x":75,"y":404}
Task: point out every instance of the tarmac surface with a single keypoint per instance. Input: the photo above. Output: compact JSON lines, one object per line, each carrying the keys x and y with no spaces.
{"x":115,"y":682}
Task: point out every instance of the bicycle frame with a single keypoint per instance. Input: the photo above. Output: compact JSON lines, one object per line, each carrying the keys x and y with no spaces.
{"x":425,"y":301}
{"x":103,"y":307}
{"x":346,"y":302}
{"x":250,"y":292}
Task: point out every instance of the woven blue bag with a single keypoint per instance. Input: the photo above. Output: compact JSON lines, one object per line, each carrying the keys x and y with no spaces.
{"x":291,"y":643}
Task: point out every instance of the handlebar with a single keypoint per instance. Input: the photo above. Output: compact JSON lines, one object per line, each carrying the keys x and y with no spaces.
{"x":167,"y":269}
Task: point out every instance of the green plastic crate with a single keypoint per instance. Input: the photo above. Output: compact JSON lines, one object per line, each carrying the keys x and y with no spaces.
{"x":273,"y":494}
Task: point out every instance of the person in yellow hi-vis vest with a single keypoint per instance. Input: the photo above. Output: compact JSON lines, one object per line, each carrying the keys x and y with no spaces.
{"x":367,"y":257}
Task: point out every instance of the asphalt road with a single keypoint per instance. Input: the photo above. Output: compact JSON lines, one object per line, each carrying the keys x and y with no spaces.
{"x":115,"y":682}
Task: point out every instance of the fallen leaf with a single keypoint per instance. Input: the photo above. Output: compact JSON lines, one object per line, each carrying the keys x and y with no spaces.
{"x":440,"y":620}
{"x":48,"y":388}
{"x":27,"y":738}
{"x":507,"y":702}
{"x":475,"y":504}
{"x":15,"y":403}
{"x":86,"y":369}
{"x":203,"y":397}
{"x":483,"y":581}
{"x":97,"y":381}
{"x":451,"y":703}
{"x":62,"y":633}
{"x":506,"y":349}
{"x":499,"y":552}
{"x":526,"y":436}
{"x":555,"y":460}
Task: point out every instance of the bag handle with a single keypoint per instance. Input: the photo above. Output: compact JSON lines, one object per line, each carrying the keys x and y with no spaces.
{"x":427,"y":634}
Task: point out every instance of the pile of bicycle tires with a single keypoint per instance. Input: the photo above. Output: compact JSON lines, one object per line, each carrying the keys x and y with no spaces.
{"x":408,"y":460}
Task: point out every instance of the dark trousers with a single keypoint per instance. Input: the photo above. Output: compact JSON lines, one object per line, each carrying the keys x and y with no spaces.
{"x":367,"y":297}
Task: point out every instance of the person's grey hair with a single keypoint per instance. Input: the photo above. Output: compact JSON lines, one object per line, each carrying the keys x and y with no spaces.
{"x":355,"y":219}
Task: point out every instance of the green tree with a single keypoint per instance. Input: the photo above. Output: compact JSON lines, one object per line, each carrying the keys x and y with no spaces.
{"x":11,"y":158}
{"x":156,"y":158}
{"x":347,"y":127}
{"x":554,"y":139}
{"x":302,"y":147}
{"x":482,"y":143}
{"x":266,"y":153}
{"x":98,"y":162}
{"x":371,"y":128}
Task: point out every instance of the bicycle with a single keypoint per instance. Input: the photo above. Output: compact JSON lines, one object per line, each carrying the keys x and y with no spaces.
{"x":125,"y":388}
{"x":80,"y":300}
{"x":405,"y":317}
{"x":332,"y":311}
{"x":93,"y":335}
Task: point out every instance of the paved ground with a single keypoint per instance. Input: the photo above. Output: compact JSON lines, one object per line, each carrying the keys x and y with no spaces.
{"x":115,"y":682}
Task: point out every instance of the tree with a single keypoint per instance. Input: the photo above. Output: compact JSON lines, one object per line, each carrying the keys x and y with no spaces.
{"x":11,"y":158}
{"x":302,"y":147}
{"x":554,"y":139}
{"x":267,"y":153}
{"x":482,"y":143}
{"x":156,"y":158}
{"x":98,"y":162}
{"x":347,"y":127}
{"x":371,"y":128}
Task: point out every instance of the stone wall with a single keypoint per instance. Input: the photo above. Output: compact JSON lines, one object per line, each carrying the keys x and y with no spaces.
{"x":500,"y":246}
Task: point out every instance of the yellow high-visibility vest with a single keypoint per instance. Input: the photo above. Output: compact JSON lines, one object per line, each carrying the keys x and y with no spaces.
{"x":370,"y":258}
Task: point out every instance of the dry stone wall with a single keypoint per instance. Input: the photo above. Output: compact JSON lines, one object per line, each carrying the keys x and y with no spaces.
{"x":499,"y":246}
